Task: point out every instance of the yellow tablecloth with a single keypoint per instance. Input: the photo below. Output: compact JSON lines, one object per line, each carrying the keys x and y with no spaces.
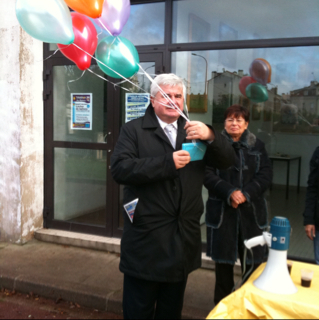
{"x":249,"y":302}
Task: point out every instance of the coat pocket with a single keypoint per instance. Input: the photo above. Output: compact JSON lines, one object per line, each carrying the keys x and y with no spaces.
{"x":260,"y":208}
{"x":129,"y":196}
{"x":214,"y":212}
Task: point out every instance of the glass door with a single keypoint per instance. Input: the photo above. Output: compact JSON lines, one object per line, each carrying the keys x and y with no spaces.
{"x":78,"y":144}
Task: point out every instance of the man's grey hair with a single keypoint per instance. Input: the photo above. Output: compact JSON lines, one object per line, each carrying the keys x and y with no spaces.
{"x":168,"y":79}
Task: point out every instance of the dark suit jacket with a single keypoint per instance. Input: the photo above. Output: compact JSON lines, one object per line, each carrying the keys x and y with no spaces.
{"x":164,"y":241}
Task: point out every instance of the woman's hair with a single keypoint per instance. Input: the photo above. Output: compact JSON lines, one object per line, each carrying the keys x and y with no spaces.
{"x":237,"y":111}
{"x":169,"y":79}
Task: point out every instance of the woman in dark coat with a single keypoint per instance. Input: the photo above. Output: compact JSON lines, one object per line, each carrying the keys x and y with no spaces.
{"x":236,"y":209}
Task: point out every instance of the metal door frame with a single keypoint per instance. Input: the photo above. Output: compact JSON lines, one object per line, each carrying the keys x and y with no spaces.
{"x":50,"y":145}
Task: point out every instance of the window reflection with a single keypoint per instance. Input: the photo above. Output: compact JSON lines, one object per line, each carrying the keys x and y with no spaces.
{"x":226,"y":20}
{"x":64,"y":85}
{"x":80,"y":185}
{"x":146,"y":24}
{"x":288,"y":123}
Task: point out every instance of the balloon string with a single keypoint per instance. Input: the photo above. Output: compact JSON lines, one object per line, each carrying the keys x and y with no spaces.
{"x":121,"y":82}
{"x":173,"y":106}
{"x":105,"y":27}
{"x":166,"y":96}
{"x":162,"y":91}
{"x":115,"y":85}
{"x":109,"y":68}
{"x":75,"y":79}
{"x":99,"y":33}
{"x":49,"y":56}
{"x":151,"y":74}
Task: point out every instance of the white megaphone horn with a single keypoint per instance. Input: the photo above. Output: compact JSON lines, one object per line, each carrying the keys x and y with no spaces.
{"x":275,"y":277}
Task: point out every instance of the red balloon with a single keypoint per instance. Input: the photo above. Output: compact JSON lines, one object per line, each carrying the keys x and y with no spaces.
{"x":244,"y":83}
{"x":85,"y":37}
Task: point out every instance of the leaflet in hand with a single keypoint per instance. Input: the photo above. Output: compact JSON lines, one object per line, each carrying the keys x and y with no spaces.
{"x":196,"y":150}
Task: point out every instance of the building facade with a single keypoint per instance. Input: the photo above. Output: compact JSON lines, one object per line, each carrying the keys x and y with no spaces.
{"x":60,"y":176}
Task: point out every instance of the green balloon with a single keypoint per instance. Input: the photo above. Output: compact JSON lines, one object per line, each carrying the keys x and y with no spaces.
{"x":256,"y":92}
{"x":120,"y":55}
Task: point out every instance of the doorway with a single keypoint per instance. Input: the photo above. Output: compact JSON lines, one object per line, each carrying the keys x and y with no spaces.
{"x":80,"y":194}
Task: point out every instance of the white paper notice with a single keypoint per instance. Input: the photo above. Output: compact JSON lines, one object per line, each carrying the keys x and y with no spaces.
{"x":136,"y":105}
{"x":81,"y":111}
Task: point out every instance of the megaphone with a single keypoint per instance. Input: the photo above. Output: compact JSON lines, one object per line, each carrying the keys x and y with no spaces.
{"x":275,"y":277}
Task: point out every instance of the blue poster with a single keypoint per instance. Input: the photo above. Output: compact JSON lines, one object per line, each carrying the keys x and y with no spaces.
{"x":136,"y":105}
{"x":81,"y":111}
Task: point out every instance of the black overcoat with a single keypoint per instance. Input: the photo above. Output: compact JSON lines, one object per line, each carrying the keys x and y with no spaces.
{"x":252,"y":174}
{"x":164,"y":241}
{"x":311,"y":213}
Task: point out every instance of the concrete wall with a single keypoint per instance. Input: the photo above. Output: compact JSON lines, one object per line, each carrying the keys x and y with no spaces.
{"x":21,"y":129}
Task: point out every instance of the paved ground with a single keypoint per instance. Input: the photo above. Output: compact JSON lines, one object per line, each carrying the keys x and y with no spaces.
{"x":87,"y":277}
{"x":29,"y":306}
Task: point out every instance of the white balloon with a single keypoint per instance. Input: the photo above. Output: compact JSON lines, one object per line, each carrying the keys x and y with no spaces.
{"x":46,"y":20}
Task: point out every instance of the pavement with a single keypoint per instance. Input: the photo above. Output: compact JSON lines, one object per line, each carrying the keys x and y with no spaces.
{"x":16,"y":305}
{"x":88,"y":277}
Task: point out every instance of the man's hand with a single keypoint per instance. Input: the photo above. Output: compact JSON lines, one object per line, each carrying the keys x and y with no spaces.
{"x":198,"y":130}
{"x":181,"y":159}
{"x":237,"y":198}
{"x":310,"y":231}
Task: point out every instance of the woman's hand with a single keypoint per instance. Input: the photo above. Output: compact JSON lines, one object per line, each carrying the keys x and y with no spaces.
{"x":197,"y":130}
{"x":237,"y":198}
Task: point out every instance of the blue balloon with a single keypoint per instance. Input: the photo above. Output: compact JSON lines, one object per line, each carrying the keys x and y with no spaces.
{"x":46,"y":20}
{"x":120,"y":55}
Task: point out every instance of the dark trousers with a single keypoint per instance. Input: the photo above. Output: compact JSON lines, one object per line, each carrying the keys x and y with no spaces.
{"x":144,"y":299}
{"x":225,"y":274}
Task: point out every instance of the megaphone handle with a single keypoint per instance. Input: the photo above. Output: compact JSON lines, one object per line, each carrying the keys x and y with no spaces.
{"x":260,"y":240}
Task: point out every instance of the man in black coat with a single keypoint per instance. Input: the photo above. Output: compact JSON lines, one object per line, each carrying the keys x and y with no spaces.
{"x":163,"y":243}
{"x":311,"y":213}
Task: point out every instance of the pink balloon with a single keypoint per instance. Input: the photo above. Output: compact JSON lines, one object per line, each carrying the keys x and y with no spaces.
{"x":115,"y":15}
{"x":259,"y":71}
{"x":244,"y":83}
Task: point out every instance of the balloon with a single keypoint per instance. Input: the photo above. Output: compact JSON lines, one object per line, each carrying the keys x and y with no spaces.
{"x":115,"y":15}
{"x":269,"y":68}
{"x":119,"y":54}
{"x":91,"y":8}
{"x":85,"y":38}
{"x":244,"y":82}
{"x":256,"y":92}
{"x":259,"y":71}
{"x":48,"y":21}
